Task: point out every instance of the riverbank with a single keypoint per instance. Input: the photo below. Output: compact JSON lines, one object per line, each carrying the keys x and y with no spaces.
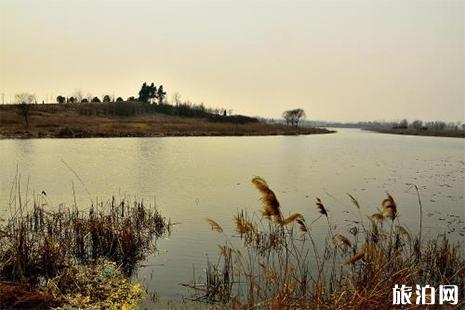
{"x":416,"y":132}
{"x":66,"y":121}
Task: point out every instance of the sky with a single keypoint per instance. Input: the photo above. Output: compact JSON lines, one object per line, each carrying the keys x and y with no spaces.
{"x":338,"y":60}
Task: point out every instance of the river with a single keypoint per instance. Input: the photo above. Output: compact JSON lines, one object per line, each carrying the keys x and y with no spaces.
{"x":191,"y":178}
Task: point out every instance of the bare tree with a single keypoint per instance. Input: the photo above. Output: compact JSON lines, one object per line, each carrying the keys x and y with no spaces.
{"x":25,"y":100}
{"x":417,"y":124}
{"x":293,"y":117}
{"x":78,"y":95}
{"x":176,"y":99}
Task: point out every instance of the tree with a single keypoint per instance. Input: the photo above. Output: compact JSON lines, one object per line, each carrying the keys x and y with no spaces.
{"x":403,"y":124}
{"x":147,"y":92}
{"x":61,"y":99}
{"x":96,"y":100}
{"x":161,"y":94}
{"x":132,"y":98}
{"x":119,"y":99}
{"x":25,"y":100}
{"x":417,"y":124}
{"x":294,"y":116}
{"x":71,"y":99}
{"x":85,"y":100}
{"x":106,"y":98}
{"x":176,"y":99}
{"x":78,"y":95}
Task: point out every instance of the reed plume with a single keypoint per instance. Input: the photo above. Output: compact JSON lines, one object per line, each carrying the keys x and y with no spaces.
{"x":269,"y":201}
{"x":302,"y":225}
{"x":377,"y":217}
{"x":214,"y":225}
{"x":342,"y":240}
{"x":389,"y":208}
{"x":293,"y":217}
{"x":321,"y":208}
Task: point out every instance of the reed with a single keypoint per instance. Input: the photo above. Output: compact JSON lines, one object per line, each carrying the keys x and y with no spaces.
{"x":38,"y":243}
{"x":356,"y":269}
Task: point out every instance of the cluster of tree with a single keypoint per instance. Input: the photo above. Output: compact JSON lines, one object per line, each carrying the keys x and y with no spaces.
{"x":147,"y":94}
{"x":74,"y":99}
{"x":293,"y":117}
{"x":151,"y":99}
{"x":431,"y":125}
{"x":150,"y":93}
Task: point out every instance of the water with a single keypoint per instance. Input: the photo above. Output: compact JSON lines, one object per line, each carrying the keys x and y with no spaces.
{"x":193,"y":178}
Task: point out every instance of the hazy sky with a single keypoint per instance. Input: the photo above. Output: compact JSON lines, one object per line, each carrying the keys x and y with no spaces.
{"x":339,"y":60}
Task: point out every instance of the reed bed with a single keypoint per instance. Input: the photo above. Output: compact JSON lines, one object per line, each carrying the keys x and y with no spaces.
{"x":39,"y":245}
{"x":279,"y":266}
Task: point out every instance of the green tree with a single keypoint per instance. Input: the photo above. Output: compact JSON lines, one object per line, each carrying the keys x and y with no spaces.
{"x":147,"y":92}
{"x":61,"y":99}
{"x":106,"y":98}
{"x":161,"y":94}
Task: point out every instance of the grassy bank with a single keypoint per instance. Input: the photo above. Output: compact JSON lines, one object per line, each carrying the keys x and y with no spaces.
{"x":279,"y":265}
{"x":121,"y":120}
{"x":420,"y":132}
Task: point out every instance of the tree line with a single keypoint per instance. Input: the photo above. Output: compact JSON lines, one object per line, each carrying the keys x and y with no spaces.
{"x":427,"y":125}
{"x":150,"y":99}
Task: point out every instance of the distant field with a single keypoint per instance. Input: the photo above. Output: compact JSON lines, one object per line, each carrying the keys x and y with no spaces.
{"x":65,"y":121}
{"x":415,"y":132}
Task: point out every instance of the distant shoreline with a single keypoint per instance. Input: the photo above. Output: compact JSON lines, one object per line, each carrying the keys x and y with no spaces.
{"x":416,"y":132}
{"x":65,"y":121}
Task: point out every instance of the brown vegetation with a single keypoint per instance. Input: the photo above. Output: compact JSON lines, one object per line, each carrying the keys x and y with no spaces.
{"x":281,"y":267}
{"x":67,"y":121}
{"x":50,"y":257}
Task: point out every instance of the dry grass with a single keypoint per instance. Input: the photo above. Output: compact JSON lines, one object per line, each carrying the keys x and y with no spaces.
{"x":65,"y":121}
{"x":280,"y":267}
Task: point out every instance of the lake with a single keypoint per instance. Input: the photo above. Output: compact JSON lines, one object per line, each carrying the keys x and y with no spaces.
{"x":191,"y":178}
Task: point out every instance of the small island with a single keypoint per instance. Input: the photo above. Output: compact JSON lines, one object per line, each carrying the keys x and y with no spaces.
{"x":148,"y":115}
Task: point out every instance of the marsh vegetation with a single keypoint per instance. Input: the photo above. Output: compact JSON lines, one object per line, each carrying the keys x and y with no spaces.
{"x":71,"y":256}
{"x":279,"y":265}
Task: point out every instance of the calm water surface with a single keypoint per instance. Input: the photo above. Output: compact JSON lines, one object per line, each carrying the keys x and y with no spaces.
{"x":194,"y":178}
